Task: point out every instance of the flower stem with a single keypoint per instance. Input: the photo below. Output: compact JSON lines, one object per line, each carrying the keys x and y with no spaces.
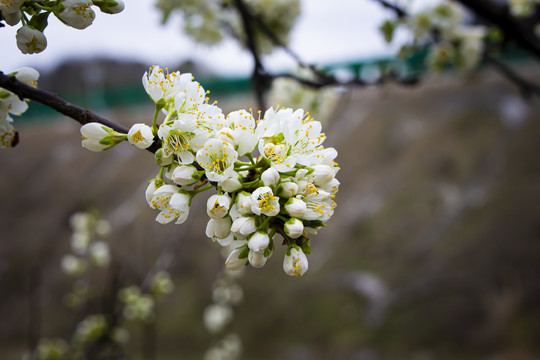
{"x":154,"y":122}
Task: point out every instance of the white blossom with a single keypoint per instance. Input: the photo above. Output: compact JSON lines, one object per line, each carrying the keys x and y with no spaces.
{"x":73,"y":265}
{"x":233,"y":261}
{"x":259,"y":241}
{"x":295,"y":262}
{"x":30,"y":40}
{"x":141,"y":136}
{"x":257,"y":259}
{"x":244,"y":226}
{"x":217,"y":206}
{"x":264,"y":202}
{"x":99,"y":253}
{"x":219,"y":228}
{"x":10,"y":6}
{"x":243,"y":203}
{"x":96,"y":137}
{"x":77,"y":13}
{"x":8,"y":134}
{"x":185,"y":175}
{"x":232,"y":183}
{"x":270,"y":177}
{"x":288,"y":189}
{"x":293,"y":228}
{"x":296,"y":208}
{"x":182,"y":138}
{"x":217,"y":158}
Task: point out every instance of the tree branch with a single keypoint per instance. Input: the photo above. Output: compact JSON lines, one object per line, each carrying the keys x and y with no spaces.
{"x":517,"y":29}
{"x":527,"y":88}
{"x":400,"y":13}
{"x":259,"y":77}
{"x":77,"y":113}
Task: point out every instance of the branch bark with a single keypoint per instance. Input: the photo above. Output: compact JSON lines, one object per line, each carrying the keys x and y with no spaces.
{"x":77,"y":113}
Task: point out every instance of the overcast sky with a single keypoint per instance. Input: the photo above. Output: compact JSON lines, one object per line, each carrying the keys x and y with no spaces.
{"x":327,"y":31}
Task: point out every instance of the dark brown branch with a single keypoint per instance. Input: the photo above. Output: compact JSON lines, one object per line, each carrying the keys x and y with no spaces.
{"x":259,"y":77}
{"x":520,"y":31}
{"x":527,"y":88}
{"x":400,"y":13}
{"x":77,"y":113}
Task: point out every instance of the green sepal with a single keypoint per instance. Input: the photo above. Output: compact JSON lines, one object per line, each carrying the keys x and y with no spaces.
{"x":4,"y":94}
{"x":304,"y":244}
{"x":39,"y":21}
{"x":387,"y":28}
{"x":245,"y":252}
{"x":314,"y":223}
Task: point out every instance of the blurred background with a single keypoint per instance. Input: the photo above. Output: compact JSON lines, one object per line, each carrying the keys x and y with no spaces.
{"x":433,"y":251}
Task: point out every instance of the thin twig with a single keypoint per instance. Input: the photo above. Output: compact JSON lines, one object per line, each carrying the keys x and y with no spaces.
{"x":527,"y":88}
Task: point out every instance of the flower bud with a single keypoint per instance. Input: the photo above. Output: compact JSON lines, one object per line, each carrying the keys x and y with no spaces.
{"x":257,"y":259}
{"x":10,"y":6}
{"x":73,"y":265}
{"x":161,"y":159}
{"x":234,"y":262}
{"x":77,"y":13}
{"x":259,"y":241}
{"x":141,"y":136}
{"x":270,"y":177}
{"x":295,"y":262}
{"x":27,"y":75}
{"x":296,"y":207}
{"x":110,"y":6}
{"x":13,"y":18}
{"x":218,"y":206}
{"x":244,"y":226}
{"x":185,"y":175}
{"x":293,"y":228}
{"x":218,"y":228}
{"x":322,"y":174}
{"x":99,"y":253}
{"x":98,"y":137}
{"x":162,"y":283}
{"x":288,"y":189}
{"x":30,"y":40}
{"x":243,"y":203}
{"x":232,"y":184}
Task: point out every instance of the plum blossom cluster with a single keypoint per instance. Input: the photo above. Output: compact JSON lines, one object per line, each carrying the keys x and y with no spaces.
{"x":522,"y":8}
{"x":11,"y":104}
{"x":87,"y":244}
{"x":209,"y":21}
{"x":32,"y":15}
{"x":451,"y":41}
{"x":293,"y":94}
{"x":274,"y":178}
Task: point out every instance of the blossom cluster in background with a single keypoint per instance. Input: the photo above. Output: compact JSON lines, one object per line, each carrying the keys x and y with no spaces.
{"x":210,"y":21}
{"x":274,"y":178}
{"x":443,"y":28}
{"x":33,"y":17}
{"x":12,"y":104}
{"x":226,"y":293}
{"x":291,"y":93}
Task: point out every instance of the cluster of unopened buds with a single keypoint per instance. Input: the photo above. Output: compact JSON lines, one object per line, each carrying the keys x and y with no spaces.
{"x":11,"y":104}
{"x":286,"y":191}
{"x":33,"y":15}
